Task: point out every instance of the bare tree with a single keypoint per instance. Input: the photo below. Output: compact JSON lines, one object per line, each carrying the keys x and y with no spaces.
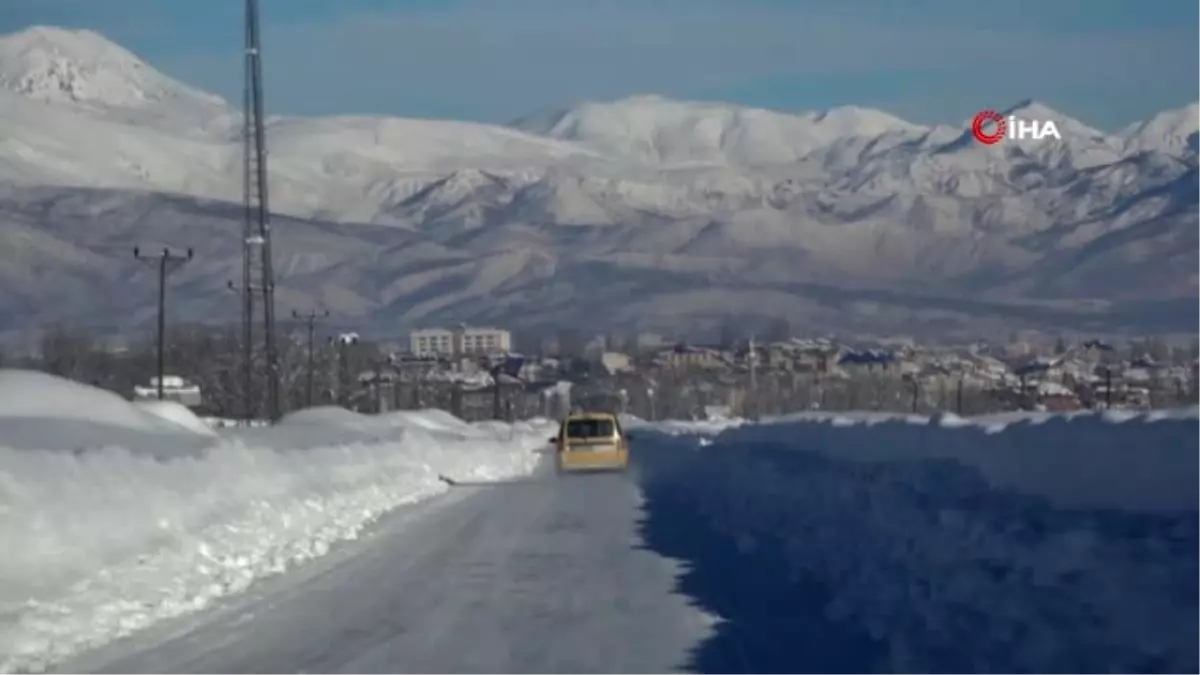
{"x":210,"y":357}
{"x":527,"y":341}
{"x":1060,"y":345}
{"x":730,"y":334}
{"x":630,"y":345}
{"x":67,"y":352}
{"x":779,"y":330}
{"x":348,"y":360}
{"x":1158,"y":349}
{"x":76,"y":354}
{"x":571,"y":343}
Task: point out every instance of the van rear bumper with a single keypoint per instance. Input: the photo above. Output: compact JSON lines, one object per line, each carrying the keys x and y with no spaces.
{"x":587,"y":460}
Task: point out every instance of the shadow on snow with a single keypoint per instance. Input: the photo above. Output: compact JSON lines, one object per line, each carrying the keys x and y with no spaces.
{"x":769,"y":621}
{"x":881,"y":530}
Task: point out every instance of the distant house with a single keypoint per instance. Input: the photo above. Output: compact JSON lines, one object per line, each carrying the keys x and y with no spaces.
{"x":1060,"y":403}
{"x":1039,"y":368}
{"x":649,"y":341}
{"x":616,"y":362}
{"x":687,"y":356}
{"x":867,"y":360}
{"x":175,"y":388}
{"x":1054,"y":397}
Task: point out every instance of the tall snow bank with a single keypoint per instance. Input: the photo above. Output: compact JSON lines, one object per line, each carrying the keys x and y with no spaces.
{"x":1115,"y":459}
{"x":1020,"y":544}
{"x":36,"y":395}
{"x":682,"y":427}
{"x":101,"y":543}
{"x":177,"y":413}
{"x":44,"y":412}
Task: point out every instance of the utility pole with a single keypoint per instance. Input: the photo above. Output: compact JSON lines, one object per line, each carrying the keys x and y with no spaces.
{"x":753,"y":364}
{"x":753,"y":380}
{"x":958,"y":404}
{"x":310,"y":319}
{"x":495,"y":372}
{"x":343,"y":342}
{"x":1108,"y":387}
{"x":166,"y":262}
{"x":380,"y":379}
{"x":247,"y":340}
{"x":257,"y":228}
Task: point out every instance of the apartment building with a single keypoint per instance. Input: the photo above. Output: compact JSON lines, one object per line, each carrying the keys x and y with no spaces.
{"x":459,"y":341}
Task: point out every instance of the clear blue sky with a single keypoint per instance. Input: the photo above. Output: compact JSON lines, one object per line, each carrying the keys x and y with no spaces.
{"x":1105,"y":62}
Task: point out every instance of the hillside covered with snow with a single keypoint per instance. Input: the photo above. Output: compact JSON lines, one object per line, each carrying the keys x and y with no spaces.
{"x":851,"y":217}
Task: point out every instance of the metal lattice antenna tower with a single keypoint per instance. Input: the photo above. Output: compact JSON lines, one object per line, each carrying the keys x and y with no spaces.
{"x":257,"y":251}
{"x":249,"y":250}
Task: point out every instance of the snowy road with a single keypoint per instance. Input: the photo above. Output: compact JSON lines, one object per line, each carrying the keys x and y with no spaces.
{"x":545,"y":575}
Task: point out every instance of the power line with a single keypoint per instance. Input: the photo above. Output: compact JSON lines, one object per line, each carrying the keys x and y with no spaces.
{"x":310,"y":319}
{"x":166,"y":262}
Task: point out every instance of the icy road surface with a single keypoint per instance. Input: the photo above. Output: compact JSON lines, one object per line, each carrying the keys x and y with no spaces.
{"x":544,"y":575}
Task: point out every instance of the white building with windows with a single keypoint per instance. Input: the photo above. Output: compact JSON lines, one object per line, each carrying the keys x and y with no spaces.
{"x":175,"y":388}
{"x":459,"y":341}
{"x":431,"y":342}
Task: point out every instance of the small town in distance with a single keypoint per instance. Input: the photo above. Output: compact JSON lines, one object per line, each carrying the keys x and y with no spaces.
{"x":479,"y":372}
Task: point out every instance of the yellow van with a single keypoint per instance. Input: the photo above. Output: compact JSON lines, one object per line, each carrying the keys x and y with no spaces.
{"x":591,"y":441}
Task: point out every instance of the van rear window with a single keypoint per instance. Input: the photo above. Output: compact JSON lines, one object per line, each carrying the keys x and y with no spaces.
{"x":589,"y":428}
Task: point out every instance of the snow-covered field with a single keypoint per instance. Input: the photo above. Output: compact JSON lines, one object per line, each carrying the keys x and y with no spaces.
{"x":115,"y":515}
{"x":1016,"y":543}
{"x":1012,"y":543}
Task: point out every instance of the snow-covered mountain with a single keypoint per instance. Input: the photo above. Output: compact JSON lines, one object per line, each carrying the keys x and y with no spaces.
{"x":85,"y":71}
{"x":660,"y":131}
{"x":642,"y":207}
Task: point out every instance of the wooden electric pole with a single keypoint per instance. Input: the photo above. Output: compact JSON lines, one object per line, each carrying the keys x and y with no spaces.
{"x":165,"y":263}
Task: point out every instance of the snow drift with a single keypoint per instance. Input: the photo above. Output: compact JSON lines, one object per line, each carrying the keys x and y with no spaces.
{"x":1116,"y":459}
{"x":1022,"y":543}
{"x":104,"y":538}
{"x":41,"y":412}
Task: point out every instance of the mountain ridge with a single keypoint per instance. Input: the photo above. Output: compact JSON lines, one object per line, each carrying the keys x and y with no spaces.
{"x":642,"y":188}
